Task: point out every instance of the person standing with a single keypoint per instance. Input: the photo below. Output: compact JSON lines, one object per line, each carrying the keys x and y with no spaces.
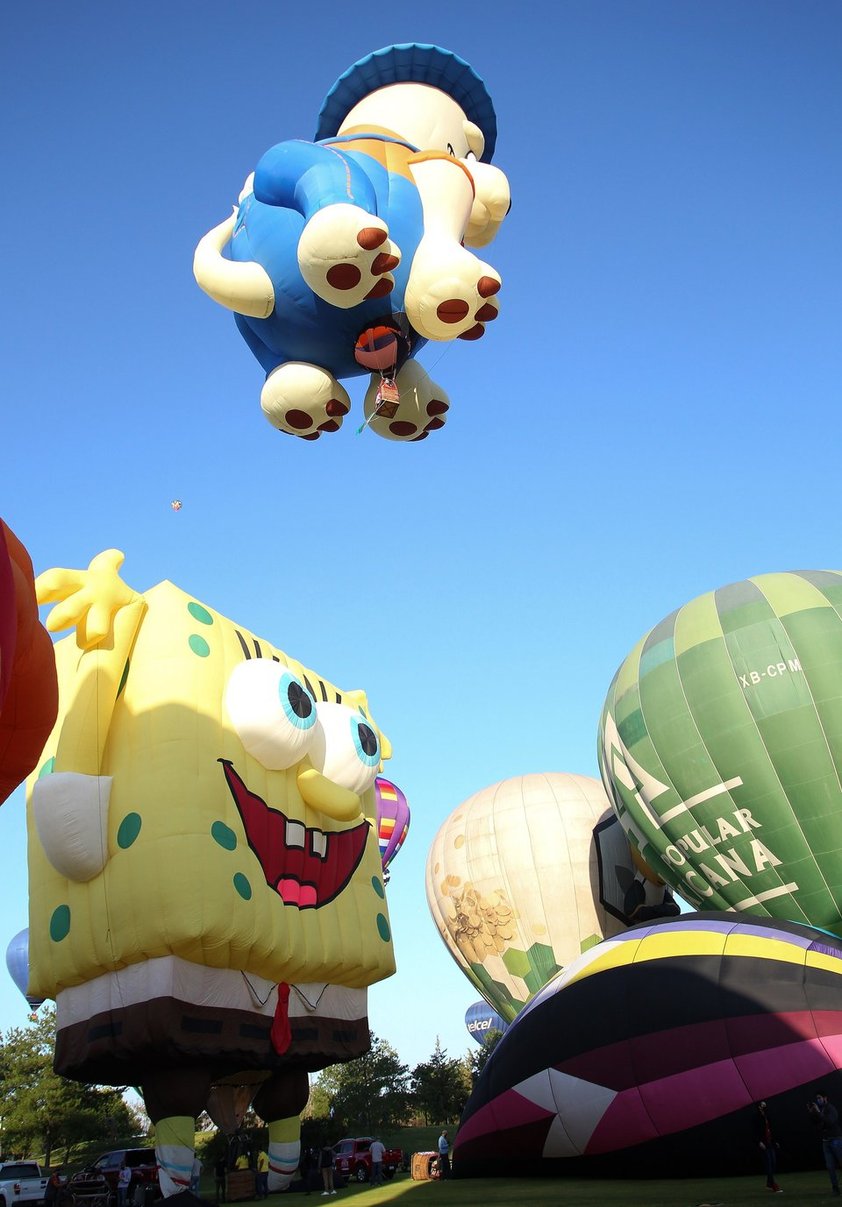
{"x":52,"y":1192}
{"x":378,"y":1152}
{"x":124,"y":1181}
{"x":444,"y":1155}
{"x":220,"y":1171}
{"x":826,"y":1117}
{"x":262,"y":1174}
{"x":768,"y":1145}
{"x":326,"y":1163}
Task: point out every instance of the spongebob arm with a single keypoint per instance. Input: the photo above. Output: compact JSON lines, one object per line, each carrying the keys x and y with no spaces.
{"x":70,"y":806}
{"x":107,"y":615}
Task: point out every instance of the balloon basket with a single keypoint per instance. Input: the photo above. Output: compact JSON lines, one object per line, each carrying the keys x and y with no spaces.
{"x":424,"y":1167}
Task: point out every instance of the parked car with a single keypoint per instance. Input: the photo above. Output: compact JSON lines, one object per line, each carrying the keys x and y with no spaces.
{"x":353,"y":1158}
{"x":106,"y":1168}
{"x":21,"y":1182}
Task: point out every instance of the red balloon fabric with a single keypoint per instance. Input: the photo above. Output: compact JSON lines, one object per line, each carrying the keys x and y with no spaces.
{"x":28,"y":686}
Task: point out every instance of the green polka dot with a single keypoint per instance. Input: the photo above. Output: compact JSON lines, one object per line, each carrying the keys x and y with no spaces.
{"x":377,"y":885}
{"x":383,"y":928}
{"x":198,"y":645}
{"x":60,"y":923}
{"x":242,"y":886}
{"x":129,"y":830}
{"x":48,"y":768}
{"x":224,"y":835}
{"x":199,"y":613}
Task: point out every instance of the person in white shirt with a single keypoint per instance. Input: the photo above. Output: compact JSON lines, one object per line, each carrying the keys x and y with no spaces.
{"x":124,"y":1181}
{"x":377,"y":1151}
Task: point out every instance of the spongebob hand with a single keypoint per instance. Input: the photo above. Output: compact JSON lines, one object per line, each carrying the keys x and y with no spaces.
{"x":88,"y":599}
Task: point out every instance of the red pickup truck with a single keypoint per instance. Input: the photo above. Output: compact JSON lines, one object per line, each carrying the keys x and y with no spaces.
{"x":353,"y":1158}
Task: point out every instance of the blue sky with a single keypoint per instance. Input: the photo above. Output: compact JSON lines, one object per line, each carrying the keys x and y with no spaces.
{"x":654,"y":414}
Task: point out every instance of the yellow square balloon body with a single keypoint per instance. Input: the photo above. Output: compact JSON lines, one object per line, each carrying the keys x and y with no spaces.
{"x":180,"y":877}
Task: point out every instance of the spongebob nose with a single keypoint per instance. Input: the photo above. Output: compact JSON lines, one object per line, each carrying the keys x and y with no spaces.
{"x":323,"y":794}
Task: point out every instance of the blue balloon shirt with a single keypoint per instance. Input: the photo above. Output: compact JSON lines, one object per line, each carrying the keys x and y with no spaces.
{"x":292,"y":181}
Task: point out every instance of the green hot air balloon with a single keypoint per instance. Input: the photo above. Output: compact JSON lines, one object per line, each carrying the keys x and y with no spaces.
{"x":720,"y":746}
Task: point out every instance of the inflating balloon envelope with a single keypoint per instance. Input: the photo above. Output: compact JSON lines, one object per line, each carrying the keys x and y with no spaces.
{"x":646,"y":1055}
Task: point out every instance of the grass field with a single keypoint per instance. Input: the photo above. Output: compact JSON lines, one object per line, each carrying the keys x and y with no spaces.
{"x":808,"y":1188}
{"x":811,"y":1188}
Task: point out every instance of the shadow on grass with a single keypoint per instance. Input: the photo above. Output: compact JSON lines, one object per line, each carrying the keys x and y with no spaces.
{"x":802,"y":1188}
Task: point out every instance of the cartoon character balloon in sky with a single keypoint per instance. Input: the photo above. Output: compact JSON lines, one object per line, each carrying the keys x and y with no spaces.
{"x":206,"y":893}
{"x":347,"y":254}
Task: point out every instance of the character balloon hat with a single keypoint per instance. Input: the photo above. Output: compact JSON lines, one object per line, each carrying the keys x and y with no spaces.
{"x":411,"y":63}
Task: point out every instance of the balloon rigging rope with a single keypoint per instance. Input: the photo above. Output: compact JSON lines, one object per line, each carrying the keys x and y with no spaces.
{"x":310,"y":1005}
{"x":262,"y":1001}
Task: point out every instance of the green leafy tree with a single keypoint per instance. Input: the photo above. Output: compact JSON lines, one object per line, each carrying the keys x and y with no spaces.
{"x":479,"y":1059}
{"x":440,"y":1087}
{"x":364,"y":1096}
{"x":42,"y":1111}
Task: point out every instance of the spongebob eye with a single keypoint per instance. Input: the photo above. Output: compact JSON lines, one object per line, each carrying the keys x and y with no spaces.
{"x":450,"y":150}
{"x":273,"y":713}
{"x":346,"y":748}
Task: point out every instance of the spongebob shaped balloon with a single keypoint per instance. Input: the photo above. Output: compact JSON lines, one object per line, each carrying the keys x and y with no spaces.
{"x":207,"y":904}
{"x":346,"y":254}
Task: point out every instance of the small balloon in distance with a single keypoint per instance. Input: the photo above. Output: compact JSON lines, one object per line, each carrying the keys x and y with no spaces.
{"x":176,"y":505}
{"x":17,"y":963}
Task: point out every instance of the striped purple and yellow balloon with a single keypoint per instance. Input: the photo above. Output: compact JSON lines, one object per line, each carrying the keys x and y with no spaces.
{"x":392,"y":819}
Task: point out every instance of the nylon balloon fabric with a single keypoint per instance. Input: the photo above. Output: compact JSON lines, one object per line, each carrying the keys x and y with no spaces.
{"x":720,"y":745}
{"x":646,"y":1055}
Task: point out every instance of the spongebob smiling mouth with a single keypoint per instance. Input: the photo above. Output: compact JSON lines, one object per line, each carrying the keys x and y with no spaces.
{"x":307,"y":867}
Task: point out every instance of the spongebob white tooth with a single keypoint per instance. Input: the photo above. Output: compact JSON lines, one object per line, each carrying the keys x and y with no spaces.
{"x":295,"y":833}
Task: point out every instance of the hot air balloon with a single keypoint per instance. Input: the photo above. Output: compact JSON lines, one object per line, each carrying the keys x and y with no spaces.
{"x":645,"y":1056}
{"x":392,"y":820}
{"x":17,"y":962}
{"x":28,"y":687}
{"x":720,"y":744}
{"x":206,"y":893}
{"x":482,"y":1022}
{"x":513,"y":883}
{"x":347,"y":254}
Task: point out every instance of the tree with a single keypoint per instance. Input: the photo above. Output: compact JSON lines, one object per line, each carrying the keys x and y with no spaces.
{"x":365,"y":1095}
{"x":42,"y":1110}
{"x":479,"y":1059}
{"x":440,"y":1087}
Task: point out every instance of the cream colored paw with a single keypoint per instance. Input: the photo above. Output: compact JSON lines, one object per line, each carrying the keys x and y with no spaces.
{"x":304,"y":400}
{"x":346,"y":257}
{"x":422,"y":408}
{"x":451,"y":293}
